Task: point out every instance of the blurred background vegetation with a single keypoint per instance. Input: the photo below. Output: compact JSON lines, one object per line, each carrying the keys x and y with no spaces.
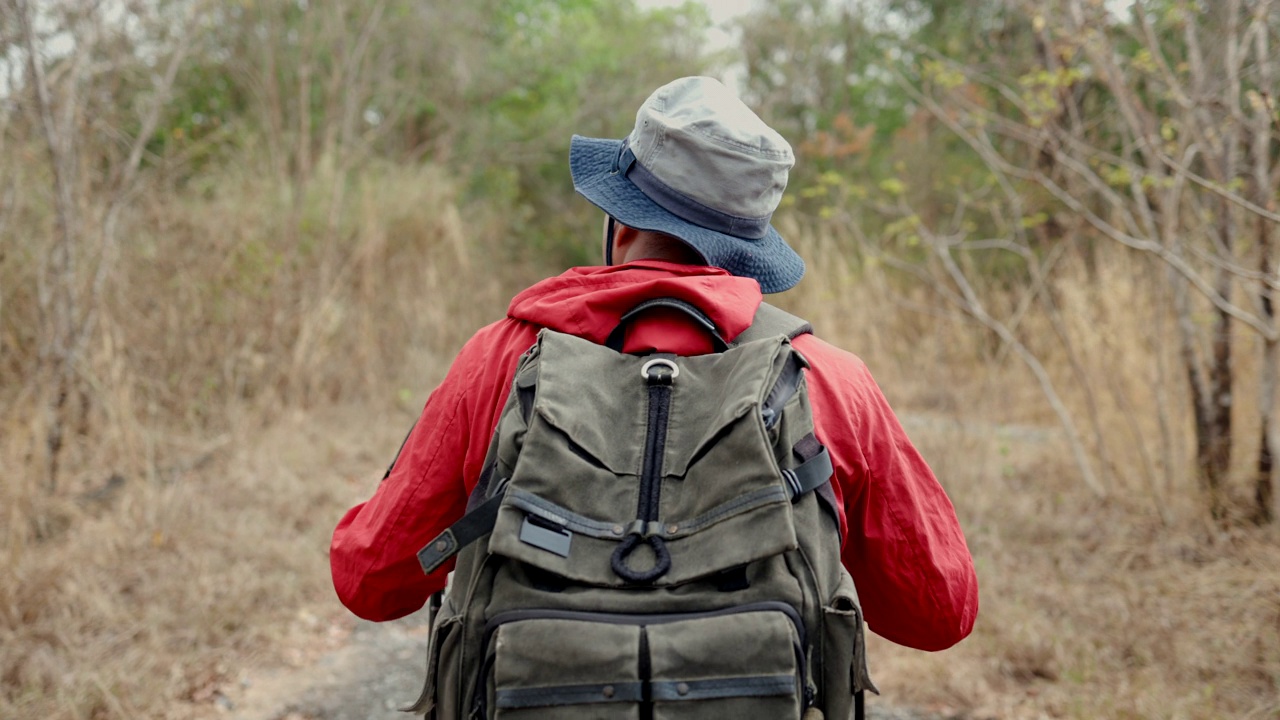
{"x":239,"y":242}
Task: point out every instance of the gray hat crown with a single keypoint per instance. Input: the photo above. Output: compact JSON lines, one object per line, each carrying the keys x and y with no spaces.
{"x":699,"y":166}
{"x":697,"y":138}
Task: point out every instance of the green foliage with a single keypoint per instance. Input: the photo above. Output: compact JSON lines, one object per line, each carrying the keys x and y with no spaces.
{"x":1042,"y":92}
{"x":555,"y":69}
{"x":844,"y":82}
{"x":494,"y":88}
{"x":810,"y":62}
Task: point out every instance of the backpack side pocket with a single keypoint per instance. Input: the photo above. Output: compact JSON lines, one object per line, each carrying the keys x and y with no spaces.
{"x":844,"y":652}
{"x":441,"y":689}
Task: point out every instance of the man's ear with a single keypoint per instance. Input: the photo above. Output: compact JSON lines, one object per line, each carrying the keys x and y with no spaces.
{"x":624,"y":238}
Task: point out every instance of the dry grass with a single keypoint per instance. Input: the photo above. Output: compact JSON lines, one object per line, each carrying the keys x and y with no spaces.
{"x":1132,"y":606}
{"x":144,"y":610}
{"x":257,"y":368}
{"x":198,"y":495}
{"x":1092,"y":608}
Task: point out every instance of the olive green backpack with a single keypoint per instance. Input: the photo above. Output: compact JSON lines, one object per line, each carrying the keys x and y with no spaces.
{"x":652,"y":538}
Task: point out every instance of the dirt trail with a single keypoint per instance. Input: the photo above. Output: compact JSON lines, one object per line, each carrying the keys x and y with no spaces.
{"x":377,"y":670}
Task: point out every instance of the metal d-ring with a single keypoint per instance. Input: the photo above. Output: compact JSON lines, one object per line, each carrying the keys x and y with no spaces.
{"x":644,"y":369}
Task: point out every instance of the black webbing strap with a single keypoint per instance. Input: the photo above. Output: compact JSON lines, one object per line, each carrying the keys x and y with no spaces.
{"x":783,"y":390}
{"x":526,"y":389}
{"x":616,"y":338}
{"x":859,"y":705}
{"x":471,"y":527}
{"x":809,"y":476}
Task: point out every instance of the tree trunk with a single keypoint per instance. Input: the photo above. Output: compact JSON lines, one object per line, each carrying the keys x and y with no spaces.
{"x":59,"y":295}
{"x":1264,"y":490}
{"x":1266,"y":508}
{"x":1265,"y":481}
{"x":1216,"y":462}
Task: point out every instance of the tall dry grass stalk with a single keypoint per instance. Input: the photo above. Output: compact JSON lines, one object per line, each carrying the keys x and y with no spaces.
{"x":1130,"y":606}
{"x":186,"y":532}
{"x":1109,"y":346}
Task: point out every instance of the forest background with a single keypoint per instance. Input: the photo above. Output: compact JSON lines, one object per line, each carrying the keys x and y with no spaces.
{"x":240,"y":242}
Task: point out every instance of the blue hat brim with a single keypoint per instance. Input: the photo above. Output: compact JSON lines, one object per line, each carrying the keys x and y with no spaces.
{"x":769,"y":260}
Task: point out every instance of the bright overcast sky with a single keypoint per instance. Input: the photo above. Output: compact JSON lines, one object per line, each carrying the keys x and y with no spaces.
{"x":721,"y":12}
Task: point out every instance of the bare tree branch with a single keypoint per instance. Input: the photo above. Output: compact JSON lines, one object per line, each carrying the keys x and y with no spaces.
{"x":126,"y":174}
{"x":997,"y":162}
{"x":972,"y":305}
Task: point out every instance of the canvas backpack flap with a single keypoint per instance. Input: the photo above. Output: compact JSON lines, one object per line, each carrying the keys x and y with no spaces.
{"x":575,"y":488}
{"x":725,"y":440}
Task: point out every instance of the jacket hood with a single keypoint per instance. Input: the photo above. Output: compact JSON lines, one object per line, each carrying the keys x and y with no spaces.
{"x":588,"y":301}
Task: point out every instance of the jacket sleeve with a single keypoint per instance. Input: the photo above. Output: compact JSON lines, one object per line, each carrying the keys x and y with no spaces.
{"x":902,"y":542}
{"x":373,"y":556}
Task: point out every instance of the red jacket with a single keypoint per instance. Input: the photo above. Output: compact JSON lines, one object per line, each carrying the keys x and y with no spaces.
{"x":903,"y":544}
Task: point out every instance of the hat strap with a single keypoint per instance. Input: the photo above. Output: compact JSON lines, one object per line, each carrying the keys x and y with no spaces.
{"x":609,"y":226}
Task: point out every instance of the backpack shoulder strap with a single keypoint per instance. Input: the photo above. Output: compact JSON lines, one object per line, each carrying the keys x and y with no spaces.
{"x":771,"y":322}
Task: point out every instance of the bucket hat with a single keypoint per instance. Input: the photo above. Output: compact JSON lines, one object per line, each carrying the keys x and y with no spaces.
{"x":702,"y":167}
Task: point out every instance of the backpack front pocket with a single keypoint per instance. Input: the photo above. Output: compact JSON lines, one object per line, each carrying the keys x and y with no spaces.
{"x":745,"y":662}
